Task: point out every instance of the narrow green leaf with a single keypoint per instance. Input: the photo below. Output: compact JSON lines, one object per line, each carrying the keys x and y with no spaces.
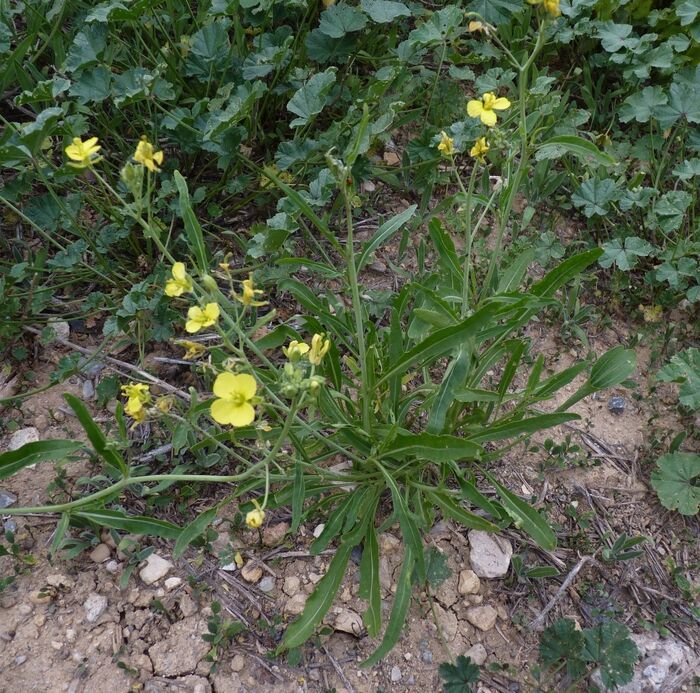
{"x":411,"y":535}
{"x":613,"y":367}
{"x":556,"y":147}
{"x":332,"y":527}
{"x":459,"y":514}
{"x":97,"y":439}
{"x":442,"y":341}
{"x":526,"y":517}
{"x":193,"y":530}
{"x":299,"y":631}
{"x":134,"y":524}
{"x":454,"y":378}
{"x":60,"y":533}
{"x":402,"y":601}
{"x":384,"y":233}
{"x":369,"y":582}
{"x":193,"y":229}
{"x":510,"y":429}
{"x":565,"y":272}
{"x":31,"y":453}
{"x":436,"y":448}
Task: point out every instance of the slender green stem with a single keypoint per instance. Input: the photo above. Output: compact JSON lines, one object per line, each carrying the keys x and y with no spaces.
{"x":469,"y":235}
{"x":357,"y":310}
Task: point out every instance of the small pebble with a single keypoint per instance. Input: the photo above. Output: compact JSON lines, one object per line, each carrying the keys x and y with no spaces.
{"x":100,"y":553}
{"x":88,"y":389}
{"x":318,"y":530}
{"x":20,"y":659}
{"x":616,"y":405}
{"x":20,"y":438}
{"x":427,"y":657}
{"x":356,"y":555}
{"x":112,"y":567}
{"x":395,"y":674}
{"x":172,"y":583}
{"x":10,"y":525}
{"x":267,"y":584}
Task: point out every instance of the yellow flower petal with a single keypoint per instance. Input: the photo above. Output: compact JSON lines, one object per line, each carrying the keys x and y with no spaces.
{"x":501,"y":104}
{"x":224,"y":384}
{"x":179,"y":271}
{"x":242,"y":415}
{"x":221,"y":411}
{"x":488,"y":118}
{"x":474,"y":108}
{"x":211,"y":313}
{"x":245,"y":385}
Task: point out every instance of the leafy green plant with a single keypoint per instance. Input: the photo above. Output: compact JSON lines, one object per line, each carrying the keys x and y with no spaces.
{"x":676,"y":479}
{"x":459,"y":677}
{"x":684,"y":368}
{"x":575,"y":651}
{"x":21,"y":561}
{"x":221,"y":632}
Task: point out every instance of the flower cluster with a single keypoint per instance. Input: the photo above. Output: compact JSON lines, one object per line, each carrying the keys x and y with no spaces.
{"x":85,"y":154}
{"x":138,"y":396}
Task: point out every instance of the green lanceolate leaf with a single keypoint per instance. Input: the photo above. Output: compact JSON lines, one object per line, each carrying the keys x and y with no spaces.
{"x":193,"y":530}
{"x":384,"y":233}
{"x":402,"y":601}
{"x":409,"y":529}
{"x":459,"y":514}
{"x":676,"y":480}
{"x":556,"y":147}
{"x":31,"y":453}
{"x":436,"y":448}
{"x":510,"y":429}
{"x":300,"y":630}
{"x":60,"y":533}
{"x":442,"y":341}
{"x":613,"y":368}
{"x":193,"y":229}
{"x":370,"y":588}
{"x":525,"y":517}
{"x":454,"y":378}
{"x":134,"y":524}
{"x":97,"y":439}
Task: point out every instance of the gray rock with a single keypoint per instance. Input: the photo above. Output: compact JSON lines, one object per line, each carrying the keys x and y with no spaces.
{"x":61,"y":329}
{"x":9,"y":525}
{"x":616,"y":405}
{"x":22,"y":437}
{"x":483,"y":617}
{"x":7,"y":499}
{"x":661,"y":660}
{"x":94,"y":606}
{"x":88,"y":390}
{"x":469,"y":582}
{"x":427,"y":656}
{"x":154,"y":569}
{"x":181,"y":651}
{"x":267,"y":584}
{"x":356,"y":554}
{"x":477,"y":653}
{"x":19,"y":659}
{"x":395,"y":674}
{"x":489,"y":554}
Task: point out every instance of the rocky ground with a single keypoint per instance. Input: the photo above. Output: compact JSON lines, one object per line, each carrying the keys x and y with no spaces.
{"x":66,"y":625}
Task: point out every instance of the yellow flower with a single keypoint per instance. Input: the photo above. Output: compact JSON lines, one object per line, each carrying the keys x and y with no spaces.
{"x":255,"y":518}
{"x":249,"y":293}
{"x":476,"y":26}
{"x":328,"y":3}
{"x":146,"y":155}
{"x":551,"y":6}
{"x":485,"y":108}
{"x":447,"y":144}
{"x":193,"y":349}
{"x":137,"y":395}
{"x":165,"y":404}
{"x":199,"y":318}
{"x":319,"y":348}
{"x":480,"y":149}
{"x":180,"y":283}
{"x":83,"y":154}
{"x":295,"y":350}
{"x":234,"y":393}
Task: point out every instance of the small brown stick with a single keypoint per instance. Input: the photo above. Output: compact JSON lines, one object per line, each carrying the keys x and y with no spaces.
{"x":538,"y":622}
{"x":338,"y":670}
{"x":116,"y":362}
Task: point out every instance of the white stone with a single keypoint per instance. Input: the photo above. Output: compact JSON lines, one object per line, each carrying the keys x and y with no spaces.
{"x":292,"y":584}
{"x":61,"y":329}
{"x":154,"y":569}
{"x":267,"y":584}
{"x":477,"y":653}
{"x":296,"y":604}
{"x":395,"y":674}
{"x":483,"y":617}
{"x":469,"y":582}
{"x":489,"y":554}
{"x":112,"y":567}
{"x":94,"y":606}
{"x":172,"y":583}
{"x":318,"y":530}
{"x":347,"y":621}
{"x":22,"y":437}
